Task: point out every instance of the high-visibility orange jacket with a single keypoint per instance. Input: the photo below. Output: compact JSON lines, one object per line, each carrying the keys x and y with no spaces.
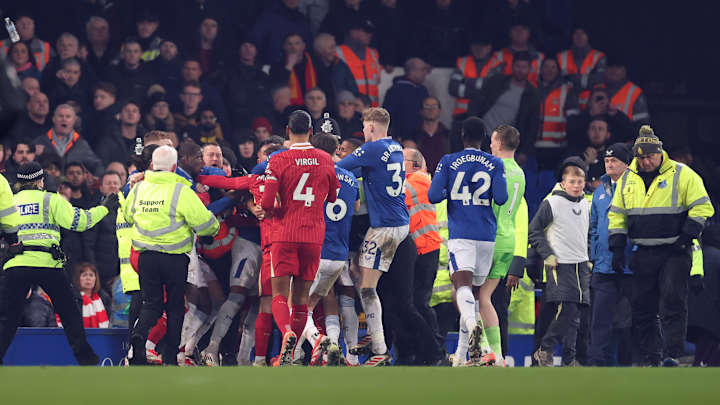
{"x":424,"y":228}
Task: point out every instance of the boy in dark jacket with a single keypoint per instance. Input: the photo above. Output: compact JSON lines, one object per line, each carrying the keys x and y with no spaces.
{"x":559,"y":234}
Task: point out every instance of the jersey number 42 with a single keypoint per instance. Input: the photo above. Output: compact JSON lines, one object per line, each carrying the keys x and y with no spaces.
{"x":461,"y":192}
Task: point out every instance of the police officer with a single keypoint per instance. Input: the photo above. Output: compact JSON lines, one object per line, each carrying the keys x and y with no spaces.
{"x":661,"y":205}
{"x":38,"y":259}
{"x":164,"y":212}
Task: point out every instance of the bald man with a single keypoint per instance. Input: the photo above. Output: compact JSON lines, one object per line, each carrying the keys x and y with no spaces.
{"x":329,"y":65}
{"x":404,"y":99}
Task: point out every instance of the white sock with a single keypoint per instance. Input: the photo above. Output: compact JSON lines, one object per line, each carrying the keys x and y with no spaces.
{"x":373,"y":317}
{"x":311,"y":332}
{"x":199,"y":333}
{"x":194,"y":320}
{"x":463,"y":341}
{"x":349,"y":324}
{"x":188,"y":320}
{"x":248,"y":336}
{"x":466,"y":304}
{"x":150,"y":345}
{"x":225,"y":317}
{"x":332,"y":325}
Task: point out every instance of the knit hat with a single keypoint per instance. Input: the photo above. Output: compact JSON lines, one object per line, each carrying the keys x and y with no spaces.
{"x":647,"y":142}
{"x":29,"y":172}
{"x":620,"y":151}
{"x":571,"y":161}
{"x":261,"y":122}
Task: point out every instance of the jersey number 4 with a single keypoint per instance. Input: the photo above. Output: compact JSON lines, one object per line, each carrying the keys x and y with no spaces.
{"x":303,"y":193}
{"x":461,"y":192}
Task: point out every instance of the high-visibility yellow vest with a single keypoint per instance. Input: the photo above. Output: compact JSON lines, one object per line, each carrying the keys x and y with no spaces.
{"x":9,"y":217}
{"x":697,"y":268}
{"x":165,"y":212}
{"x":42,"y":214}
{"x":656,"y":216}
{"x":442,"y":287}
{"x":123,"y":230}
{"x":521,"y":312}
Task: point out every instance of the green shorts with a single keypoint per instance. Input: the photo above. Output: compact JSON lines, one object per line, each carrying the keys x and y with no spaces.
{"x":500,"y":265}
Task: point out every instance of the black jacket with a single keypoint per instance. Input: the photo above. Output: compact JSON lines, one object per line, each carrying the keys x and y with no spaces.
{"x":131,"y":84}
{"x":527,"y":120}
{"x":246,"y":94}
{"x":114,"y":147}
{"x":101,"y":242}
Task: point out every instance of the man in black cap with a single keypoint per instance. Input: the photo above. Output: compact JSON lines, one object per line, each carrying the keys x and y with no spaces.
{"x":612,"y":289}
{"x":38,"y":260}
{"x":661,"y":205}
{"x":470,"y":72}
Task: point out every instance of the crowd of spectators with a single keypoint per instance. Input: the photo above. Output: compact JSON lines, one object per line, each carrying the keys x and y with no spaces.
{"x":230,"y":73}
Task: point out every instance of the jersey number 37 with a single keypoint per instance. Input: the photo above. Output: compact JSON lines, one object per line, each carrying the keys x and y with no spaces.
{"x":461,"y":192}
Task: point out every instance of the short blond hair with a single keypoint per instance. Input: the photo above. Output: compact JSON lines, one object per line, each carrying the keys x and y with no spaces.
{"x":377,"y":115}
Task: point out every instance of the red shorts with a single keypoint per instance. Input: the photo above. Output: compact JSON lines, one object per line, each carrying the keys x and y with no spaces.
{"x":264,"y":281}
{"x":295,"y":259}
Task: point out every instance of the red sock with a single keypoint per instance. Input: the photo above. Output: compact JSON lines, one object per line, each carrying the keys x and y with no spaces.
{"x":158,"y":331}
{"x":319,"y":318}
{"x":299,"y":318}
{"x":281,"y":313}
{"x":263,"y":328}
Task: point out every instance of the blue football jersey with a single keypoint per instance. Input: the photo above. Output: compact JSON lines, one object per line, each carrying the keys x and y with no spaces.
{"x":383,"y":174}
{"x":338,"y":217}
{"x":470,"y":180}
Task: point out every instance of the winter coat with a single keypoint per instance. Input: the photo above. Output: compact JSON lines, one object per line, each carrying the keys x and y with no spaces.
{"x":600,"y":253}
{"x":404,"y":101}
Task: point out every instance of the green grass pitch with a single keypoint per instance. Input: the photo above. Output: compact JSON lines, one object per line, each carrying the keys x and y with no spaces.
{"x":244,"y":385}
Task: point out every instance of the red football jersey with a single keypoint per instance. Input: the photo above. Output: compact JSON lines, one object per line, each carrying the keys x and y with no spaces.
{"x":304,"y":178}
{"x":257,"y":188}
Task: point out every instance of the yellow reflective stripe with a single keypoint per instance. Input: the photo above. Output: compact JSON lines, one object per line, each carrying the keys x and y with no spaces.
{"x":124,"y":260}
{"x":162,"y":247}
{"x":700,"y":220}
{"x":527,"y":287}
{"x":46,"y":207}
{"x":206,"y":225}
{"x":676,"y":180}
{"x":655,"y":211}
{"x":7,"y":211}
{"x":442,"y":288}
{"x":521,"y":325}
{"x":617,"y":231}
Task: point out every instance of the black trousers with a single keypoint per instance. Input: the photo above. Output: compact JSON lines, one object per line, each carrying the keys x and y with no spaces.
{"x":660,"y":286}
{"x":410,"y":330}
{"x":501,"y":301}
{"x":563,"y":328}
{"x":158,"y":270}
{"x":425,"y":271}
{"x":608,"y":293}
{"x":14,"y":285}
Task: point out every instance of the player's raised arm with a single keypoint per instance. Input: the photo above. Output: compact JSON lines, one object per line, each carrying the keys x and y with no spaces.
{"x":354,"y":160}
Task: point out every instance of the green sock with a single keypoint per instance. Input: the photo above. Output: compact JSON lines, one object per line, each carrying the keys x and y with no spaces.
{"x":484,"y":338}
{"x":493,"y":337}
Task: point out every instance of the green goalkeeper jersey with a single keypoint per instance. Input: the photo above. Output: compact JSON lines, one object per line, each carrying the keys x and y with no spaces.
{"x":505,"y":214}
